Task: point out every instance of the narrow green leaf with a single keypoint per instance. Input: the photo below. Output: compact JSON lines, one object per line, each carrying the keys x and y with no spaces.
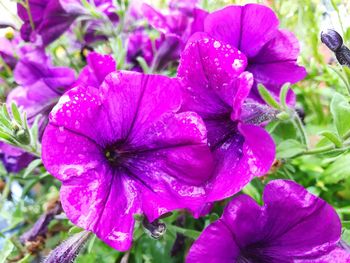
{"x":34,"y":164}
{"x":6,"y":250}
{"x":283,"y":95}
{"x":91,"y":244}
{"x":143,"y":64}
{"x":268,"y":98}
{"x":5,"y":112}
{"x":16,"y":114}
{"x":333,"y":137}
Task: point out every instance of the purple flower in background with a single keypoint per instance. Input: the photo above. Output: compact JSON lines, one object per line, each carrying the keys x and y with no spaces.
{"x":271,"y":52}
{"x":97,"y":68}
{"x":122,"y":149}
{"x":14,"y":159}
{"x":216,"y":86}
{"x":8,"y":51}
{"x":292,"y":226}
{"x":40,"y":84}
{"x":175,"y":27}
{"x":51,"y":18}
{"x":140,"y":45}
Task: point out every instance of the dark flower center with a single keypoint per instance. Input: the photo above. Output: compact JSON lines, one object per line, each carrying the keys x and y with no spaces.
{"x":115,"y":154}
{"x":257,"y":253}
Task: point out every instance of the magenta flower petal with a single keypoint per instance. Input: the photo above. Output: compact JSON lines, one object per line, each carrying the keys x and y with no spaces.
{"x":238,"y":26}
{"x":239,"y":159}
{"x":215,"y":86}
{"x":98,"y":67}
{"x":337,"y":255}
{"x":273,"y":65}
{"x":271,"y":53}
{"x":292,"y":225}
{"x":310,"y":215}
{"x":121,"y":149}
{"x":208,"y":69}
{"x":215,"y":245}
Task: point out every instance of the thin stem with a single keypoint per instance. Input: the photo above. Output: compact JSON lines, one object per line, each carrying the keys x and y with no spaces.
{"x":6,"y":191}
{"x":300,"y":127}
{"x":6,"y":66}
{"x":27,"y":6}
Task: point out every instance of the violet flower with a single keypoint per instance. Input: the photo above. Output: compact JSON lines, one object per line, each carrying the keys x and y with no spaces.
{"x":51,"y":18}
{"x":216,"y":86}
{"x":271,"y":52}
{"x":41,"y":84}
{"x":97,"y":68}
{"x":121,"y":149}
{"x":13,"y":158}
{"x":292,"y":226}
{"x":176,"y":27}
{"x":8,"y":52}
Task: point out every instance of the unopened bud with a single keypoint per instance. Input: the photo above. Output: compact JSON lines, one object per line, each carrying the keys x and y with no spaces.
{"x":22,"y":136}
{"x":154,"y":229}
{"x":283,"y":116}
{"x":343,"y":56}
{"x":332,"y":39}
{"x":9,"y":34}
{"x":69,"y":249}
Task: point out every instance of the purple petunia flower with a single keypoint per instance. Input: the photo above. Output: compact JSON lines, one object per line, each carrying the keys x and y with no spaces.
{"x":215,"y":86}
{"x":175,"y":27}
{"x":41,"y":83}
{"x":292,"y":226}
{"x":13,"y":158}
{"x":122,"y":149}
{"x":271,"y":52}
{"x":140,"y":45}
{"x":97,"y":68}
{"x":51,"y":18}
{"x":8,"y":51}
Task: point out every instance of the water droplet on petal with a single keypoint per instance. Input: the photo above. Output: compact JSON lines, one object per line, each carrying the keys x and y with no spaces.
{"x":217,"y":44}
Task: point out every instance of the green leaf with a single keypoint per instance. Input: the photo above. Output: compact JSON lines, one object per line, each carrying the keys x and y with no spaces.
{"x":338,"y":170}
{"x":289,"y":148}
{"x":187,"y":232}
{"x":91,"y":244}
{"x":143,"y":64}
{"x":333,"y":137}
{"x":34,"y":164}
{"x":283,"y":95}
{"x":340,"y":109}
{"x":16,"y":114}
{"x":268,"y":98}
{"x":5,"y":112}
{"x":74,"y":230}
{"x":6,"y":250}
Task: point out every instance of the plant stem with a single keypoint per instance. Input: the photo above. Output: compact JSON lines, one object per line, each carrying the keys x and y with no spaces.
{"x":300,"y":127}
{"x":29,"y":15}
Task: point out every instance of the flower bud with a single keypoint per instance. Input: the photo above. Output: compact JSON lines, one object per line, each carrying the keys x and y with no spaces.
{"x":332,"y":39}
{"x":154,"y":229}
{"x":23,"y":136}
{"x":9,"y":33}
{"x":343,"y":56}
{"x":256,"y":113}
{"x":69,"y":249}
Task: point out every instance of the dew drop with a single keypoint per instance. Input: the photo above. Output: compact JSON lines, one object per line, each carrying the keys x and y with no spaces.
{"x":77,"y":124}
{"x":217,"y":44}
